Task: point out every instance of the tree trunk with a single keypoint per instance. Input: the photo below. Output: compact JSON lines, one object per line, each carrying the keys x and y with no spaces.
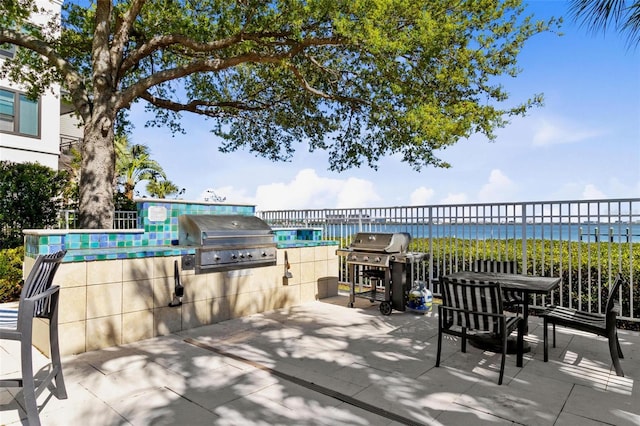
{"x":128,"y":190}
{"x":98,"y":169}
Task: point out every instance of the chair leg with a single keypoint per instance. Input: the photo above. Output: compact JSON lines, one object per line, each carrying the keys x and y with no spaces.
{"x":439,"y":346}
{"x":28,"y":383}
{"x":613,"y":349}
{"x":545,"y":338}
{"x":520,"y":343}
{"x":463,"y":349}
{"x":554,"y":334}
{"x":56,"y":364}
{"x":620,"y":355}
{"x":504,"y":356}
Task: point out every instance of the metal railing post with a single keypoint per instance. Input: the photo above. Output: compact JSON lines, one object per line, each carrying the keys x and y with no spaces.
{"x":523,"y":218}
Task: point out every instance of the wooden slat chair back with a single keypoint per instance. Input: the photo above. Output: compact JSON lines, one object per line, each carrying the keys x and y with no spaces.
{"x":510,"y":298}
{"x":38,"y":299}
{"x":590,"y":322}
{"x":469,"y":306}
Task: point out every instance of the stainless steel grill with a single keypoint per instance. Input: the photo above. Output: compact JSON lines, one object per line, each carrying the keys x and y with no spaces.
{"x":227,"y":242}
{"x":383,"y":258}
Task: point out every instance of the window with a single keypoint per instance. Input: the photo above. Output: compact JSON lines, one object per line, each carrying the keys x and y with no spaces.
{"x":8,"y":50}
{"x":19,"y":114}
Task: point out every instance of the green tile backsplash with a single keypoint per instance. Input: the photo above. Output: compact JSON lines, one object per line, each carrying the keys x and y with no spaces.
{"x":155,"y":236}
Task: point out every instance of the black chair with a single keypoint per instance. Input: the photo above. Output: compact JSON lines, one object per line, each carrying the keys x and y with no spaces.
{"x":590,"y":322}
{"x":510,"y":298}
{"x":39,"y":299}
{"x":477,"y":307}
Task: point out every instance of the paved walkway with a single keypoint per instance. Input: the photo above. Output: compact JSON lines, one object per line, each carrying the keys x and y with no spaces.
{"x":325,"y":364}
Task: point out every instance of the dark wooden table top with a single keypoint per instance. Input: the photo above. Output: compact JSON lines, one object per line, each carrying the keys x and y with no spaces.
{"x":529,"y":283}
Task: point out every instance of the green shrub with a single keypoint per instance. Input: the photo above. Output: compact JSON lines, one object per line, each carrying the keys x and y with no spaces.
{"x":593,"y":264}
{"x":30,"y":197}
{"x":11,"y":274}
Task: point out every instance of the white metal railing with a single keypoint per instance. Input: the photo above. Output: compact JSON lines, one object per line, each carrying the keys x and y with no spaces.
{"x":67,"y":142}
{"x":586,"y":242}
{"x":122,"y":219}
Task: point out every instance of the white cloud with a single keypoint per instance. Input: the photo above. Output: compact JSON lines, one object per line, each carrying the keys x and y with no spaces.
{"x":357,"y":192}
{"x":618,"y":188}
{"x":591,"y":192}
{"x":557,"y":131}
{"x":421,"y":196}
{"x":499,"y":188}
{"x":612,"y":188}
{"x":307,"y":190}
{"x":459,"y":198}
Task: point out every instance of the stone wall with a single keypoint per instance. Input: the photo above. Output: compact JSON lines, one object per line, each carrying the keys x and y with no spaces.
{"x":107,"y":303}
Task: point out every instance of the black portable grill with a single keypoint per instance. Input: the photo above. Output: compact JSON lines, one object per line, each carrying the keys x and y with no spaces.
{"x":227,"y":242}
{"x":379,"y":257}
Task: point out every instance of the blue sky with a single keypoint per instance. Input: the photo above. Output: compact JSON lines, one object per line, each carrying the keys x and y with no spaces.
{"x":584,"y":143}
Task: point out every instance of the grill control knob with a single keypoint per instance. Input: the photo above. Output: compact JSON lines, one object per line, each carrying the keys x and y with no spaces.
{"x":264,"y":254}
{"x":241,"y":255}
{"x":249,"y":255}
{"x":366,"y":258}
{"x":234,"y":256}
{"x":378,"y":259}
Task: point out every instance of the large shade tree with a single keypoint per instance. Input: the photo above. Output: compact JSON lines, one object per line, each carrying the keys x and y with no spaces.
{"x":359,"y":78}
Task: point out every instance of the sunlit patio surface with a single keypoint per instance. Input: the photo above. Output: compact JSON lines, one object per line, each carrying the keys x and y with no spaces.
{"x":323,"y":363}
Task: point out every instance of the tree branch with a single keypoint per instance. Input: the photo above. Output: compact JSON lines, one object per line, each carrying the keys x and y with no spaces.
{"x":123,"y":30}
{"x":195,"y":47}
{"x":306,"y":86}
{"x":205,"y":65}
{"x":197,"y":106}
{"x":73,"y":81}
{"x":214,"y":64}
{"x":159,"y":42}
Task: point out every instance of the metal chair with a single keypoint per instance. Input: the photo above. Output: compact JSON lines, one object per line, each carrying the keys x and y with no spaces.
{"x":472,"y":306}
{"x":39,"y":299}
{"x":590,"y":322}
{"x":510,"y":298}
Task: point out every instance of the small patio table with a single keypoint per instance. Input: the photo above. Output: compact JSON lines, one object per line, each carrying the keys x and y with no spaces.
{"x":528,"y":284}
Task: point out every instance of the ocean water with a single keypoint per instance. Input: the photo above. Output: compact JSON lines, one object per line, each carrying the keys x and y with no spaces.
{"x":616,"y":233}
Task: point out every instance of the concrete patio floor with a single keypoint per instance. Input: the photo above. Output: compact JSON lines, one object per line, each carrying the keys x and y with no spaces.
{"x":325,"y":364}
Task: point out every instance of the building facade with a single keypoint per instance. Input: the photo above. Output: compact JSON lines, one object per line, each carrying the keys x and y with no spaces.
{"x":39,"y":130}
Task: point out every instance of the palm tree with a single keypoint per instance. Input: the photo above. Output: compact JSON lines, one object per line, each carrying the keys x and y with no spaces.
{"x":133,"y":165}
{"x":598,"y":14}
{"x":161,"y":188}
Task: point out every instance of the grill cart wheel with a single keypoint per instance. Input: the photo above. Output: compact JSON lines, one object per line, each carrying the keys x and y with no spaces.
{"x":385,"y":308}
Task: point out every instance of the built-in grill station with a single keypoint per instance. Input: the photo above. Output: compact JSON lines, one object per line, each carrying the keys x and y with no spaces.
{"x":227,"y":242}
{"x":379,"y":257}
